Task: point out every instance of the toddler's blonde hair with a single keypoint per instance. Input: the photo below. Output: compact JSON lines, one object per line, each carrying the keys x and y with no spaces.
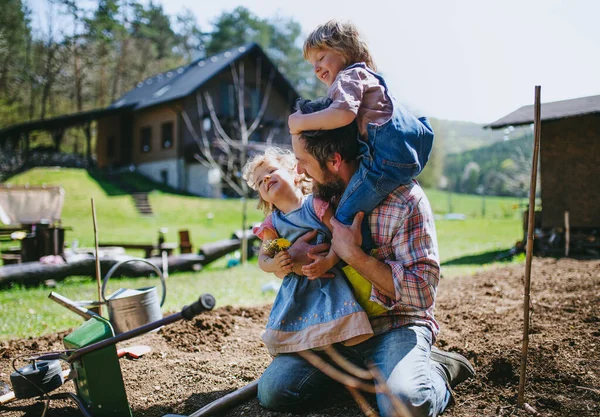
{"x":342,"y":37}
{"x":278,"y":157}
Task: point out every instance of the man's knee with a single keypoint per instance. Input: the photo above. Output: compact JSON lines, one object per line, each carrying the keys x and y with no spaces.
{"x":418,"y":399}
{"x":275,"y":394}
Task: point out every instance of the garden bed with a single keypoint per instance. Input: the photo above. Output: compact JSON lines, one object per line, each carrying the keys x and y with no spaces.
{"x":193,"y":363}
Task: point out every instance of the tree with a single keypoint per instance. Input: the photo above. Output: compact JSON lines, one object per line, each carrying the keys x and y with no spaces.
{"x":191,"y":40}
{"x":227,"y":153}
{"x":278,"y":36}
{"x":15,"y":36}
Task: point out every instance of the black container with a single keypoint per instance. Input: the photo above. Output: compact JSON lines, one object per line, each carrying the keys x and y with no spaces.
{"x":50,"y":241}
{"x":29,"y":252}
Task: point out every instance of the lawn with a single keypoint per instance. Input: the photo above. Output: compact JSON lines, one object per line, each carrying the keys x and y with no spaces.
{"x":466,"y":246}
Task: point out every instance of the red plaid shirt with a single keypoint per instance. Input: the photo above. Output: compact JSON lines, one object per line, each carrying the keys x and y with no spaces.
{"x":403,"y":231}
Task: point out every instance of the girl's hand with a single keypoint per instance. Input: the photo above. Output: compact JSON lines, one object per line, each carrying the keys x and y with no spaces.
{"x":283,"y":262}
{"x":294,"y":123}
{"x":317,"y":268}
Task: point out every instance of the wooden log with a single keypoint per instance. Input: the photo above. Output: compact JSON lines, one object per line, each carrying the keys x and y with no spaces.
{"x":36,"y":272}
{"x":215,"y":250}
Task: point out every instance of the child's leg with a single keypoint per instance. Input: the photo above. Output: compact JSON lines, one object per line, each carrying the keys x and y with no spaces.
{"x":361,"y":195}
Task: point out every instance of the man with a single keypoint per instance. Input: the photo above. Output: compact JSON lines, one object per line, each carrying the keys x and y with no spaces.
{"x":404,"y":273}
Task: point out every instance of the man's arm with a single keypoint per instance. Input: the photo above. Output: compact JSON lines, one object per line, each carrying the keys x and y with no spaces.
{"x":346,"y":243}
{"x":410,"y":278}
{"x":327,"y":119}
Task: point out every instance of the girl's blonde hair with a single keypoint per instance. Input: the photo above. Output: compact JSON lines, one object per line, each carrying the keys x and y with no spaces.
{"x":342,"y":37}
{"x":277,"y":157}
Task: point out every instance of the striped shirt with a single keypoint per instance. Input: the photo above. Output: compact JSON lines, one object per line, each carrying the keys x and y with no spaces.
{"x":403,"y":231}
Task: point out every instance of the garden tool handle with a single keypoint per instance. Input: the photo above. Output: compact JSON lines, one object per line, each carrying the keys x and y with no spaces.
{"x":205,"y":302}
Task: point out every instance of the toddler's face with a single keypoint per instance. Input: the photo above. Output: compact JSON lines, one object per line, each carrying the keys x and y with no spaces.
{"x":327,"y":63}
{"x":274,"y":183}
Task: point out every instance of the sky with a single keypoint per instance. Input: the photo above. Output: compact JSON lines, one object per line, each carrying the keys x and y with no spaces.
{"x":469,"y":60}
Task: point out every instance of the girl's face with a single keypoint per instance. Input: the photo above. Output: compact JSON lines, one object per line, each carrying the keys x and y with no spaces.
{"x":326,"y":63}
{"x":275,"y":185}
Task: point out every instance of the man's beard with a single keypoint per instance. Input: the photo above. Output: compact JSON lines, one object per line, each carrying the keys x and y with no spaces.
{"x":330,"y":190}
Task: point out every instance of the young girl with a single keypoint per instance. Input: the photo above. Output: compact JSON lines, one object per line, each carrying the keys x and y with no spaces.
{"x":395,"y":145}
{"x":307,"y":313}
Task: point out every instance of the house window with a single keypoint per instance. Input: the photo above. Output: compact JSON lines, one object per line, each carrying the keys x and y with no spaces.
{"x":227,"y":100}
{"x":146,"y":139}
{"x":110,"y":147}
{"x":167,"y":135}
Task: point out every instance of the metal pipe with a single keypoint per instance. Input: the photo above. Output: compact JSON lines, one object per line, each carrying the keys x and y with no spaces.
{"x":204,"y":303}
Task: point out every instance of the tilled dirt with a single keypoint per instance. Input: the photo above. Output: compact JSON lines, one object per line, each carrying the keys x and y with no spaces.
{"x":193,"y":363}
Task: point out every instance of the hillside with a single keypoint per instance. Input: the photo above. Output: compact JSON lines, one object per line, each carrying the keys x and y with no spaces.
{"x":206,"y":219}
{"x":463,"y":136}
{"x":502,"y":168}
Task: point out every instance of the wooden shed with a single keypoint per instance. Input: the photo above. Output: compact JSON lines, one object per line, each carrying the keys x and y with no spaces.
{"x":569,"y":160}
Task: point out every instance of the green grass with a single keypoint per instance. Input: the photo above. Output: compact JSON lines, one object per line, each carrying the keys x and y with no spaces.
{"x":465,"y":246}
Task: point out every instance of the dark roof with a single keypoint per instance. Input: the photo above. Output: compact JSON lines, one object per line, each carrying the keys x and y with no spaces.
{"x":183,"y":81}
{"x":550,"y":111}
{"x":58,"y":122}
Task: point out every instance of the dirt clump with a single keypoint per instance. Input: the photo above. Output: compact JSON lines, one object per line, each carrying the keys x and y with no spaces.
{"x":195,"y":362}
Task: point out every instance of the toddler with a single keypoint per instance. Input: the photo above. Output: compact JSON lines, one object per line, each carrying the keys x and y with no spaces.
{"x":395,"y":145}
{"x":308,"y":312}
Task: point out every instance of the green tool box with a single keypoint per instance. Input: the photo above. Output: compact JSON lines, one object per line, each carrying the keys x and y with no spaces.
{"x":98,"y":378}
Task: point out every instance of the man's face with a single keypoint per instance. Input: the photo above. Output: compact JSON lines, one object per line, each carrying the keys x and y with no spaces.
{"x":307,"y":164}
{"x":328,"y":186}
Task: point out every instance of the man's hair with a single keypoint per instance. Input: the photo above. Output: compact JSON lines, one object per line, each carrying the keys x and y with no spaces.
{"x":341,"y":37}
{"x":322,"y":144}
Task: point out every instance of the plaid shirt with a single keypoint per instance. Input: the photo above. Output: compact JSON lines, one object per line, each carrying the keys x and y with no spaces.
{"x":403,"y":230}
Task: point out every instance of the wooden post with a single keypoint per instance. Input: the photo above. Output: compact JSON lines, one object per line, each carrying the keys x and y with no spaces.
{"x":98,"y":279}
{"x":88,"y":141}
{"x":529,"y":248}
{"x":567,"y":233}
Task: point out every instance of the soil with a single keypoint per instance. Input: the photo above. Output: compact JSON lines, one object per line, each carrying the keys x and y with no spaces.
{"x":193,"y":363}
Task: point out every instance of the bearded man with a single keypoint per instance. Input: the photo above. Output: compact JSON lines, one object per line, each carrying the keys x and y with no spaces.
{"x":403,"y":271}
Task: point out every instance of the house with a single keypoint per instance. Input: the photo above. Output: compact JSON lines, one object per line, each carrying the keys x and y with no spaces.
{"x":569,"y":161}
{"x":156,"y":126}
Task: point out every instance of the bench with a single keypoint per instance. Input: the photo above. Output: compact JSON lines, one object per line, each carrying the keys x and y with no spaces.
{"x":149,"y":249}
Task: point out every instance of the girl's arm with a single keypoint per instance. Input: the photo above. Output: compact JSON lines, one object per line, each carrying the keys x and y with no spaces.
{"x":327,"y":119}
{"x":280,"y":264}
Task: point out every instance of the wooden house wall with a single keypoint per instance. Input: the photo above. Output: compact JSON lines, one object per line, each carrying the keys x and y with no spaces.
{"x":108,"y":129}
{"x":154,"y":117}
{"x":570,"y":171}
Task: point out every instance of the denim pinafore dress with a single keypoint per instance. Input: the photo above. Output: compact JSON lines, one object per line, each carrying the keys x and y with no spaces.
{"x":394,"y":153}
{"x":310,"y":314}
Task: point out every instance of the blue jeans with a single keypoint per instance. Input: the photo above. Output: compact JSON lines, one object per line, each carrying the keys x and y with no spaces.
{"x":291,"y":384}
{"x":395,"y":153}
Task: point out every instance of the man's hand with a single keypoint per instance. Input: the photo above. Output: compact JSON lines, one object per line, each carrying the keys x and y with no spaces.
{"x":301,"y":248}
{"x":318,"y":268}
{"x":294,"y":123}
{"x":346,"y":240}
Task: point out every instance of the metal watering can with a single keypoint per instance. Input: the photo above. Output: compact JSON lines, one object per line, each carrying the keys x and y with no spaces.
{"x":129,"y":309}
